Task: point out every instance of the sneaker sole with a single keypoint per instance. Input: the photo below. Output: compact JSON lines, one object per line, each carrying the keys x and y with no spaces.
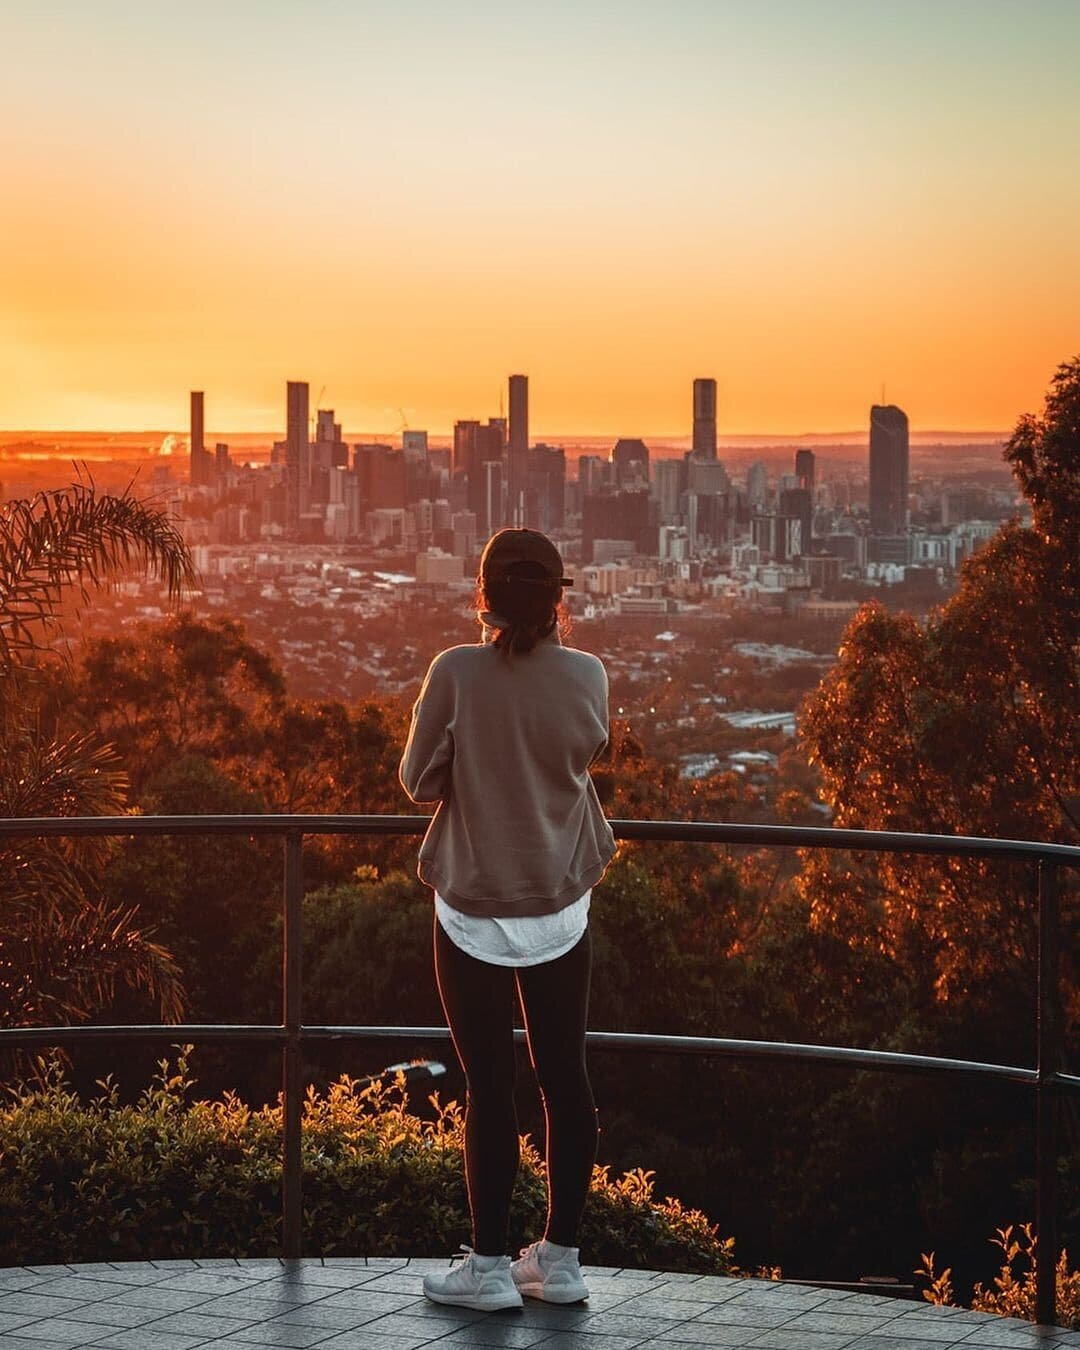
{"x":492,"y":1303}
{"x":572,"y":1293}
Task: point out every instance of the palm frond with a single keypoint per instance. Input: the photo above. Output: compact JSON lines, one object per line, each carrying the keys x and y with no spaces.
{"x":66,"y":971}
{"x":73,"y":538}
{"x":75,"y":776}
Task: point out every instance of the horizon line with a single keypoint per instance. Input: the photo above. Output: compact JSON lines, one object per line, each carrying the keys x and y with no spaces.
{"x":733,"y":438}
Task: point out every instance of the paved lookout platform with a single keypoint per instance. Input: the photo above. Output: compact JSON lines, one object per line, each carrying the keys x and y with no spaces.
{"x":377,"y":1304}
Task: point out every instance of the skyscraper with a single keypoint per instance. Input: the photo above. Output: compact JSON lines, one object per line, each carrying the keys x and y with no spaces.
{"x":670,"y":479}
{"x":888,"y":470}
{"x":704,"y":419}
{"x":198,"y":470}
{"x":297,"y":454}
{"x":757,"y":486}
{"x":805,"y":469}
{"x":465,"y":439}
{"x":518,"y":448}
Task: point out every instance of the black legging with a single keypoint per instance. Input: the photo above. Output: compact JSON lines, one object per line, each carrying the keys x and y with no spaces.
{"x":478,"y":999}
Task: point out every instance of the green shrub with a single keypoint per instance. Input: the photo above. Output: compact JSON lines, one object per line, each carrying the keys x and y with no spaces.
{"x":168,"y":1177}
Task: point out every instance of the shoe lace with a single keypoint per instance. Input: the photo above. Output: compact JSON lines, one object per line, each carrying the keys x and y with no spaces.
{"x":464,"y":1253}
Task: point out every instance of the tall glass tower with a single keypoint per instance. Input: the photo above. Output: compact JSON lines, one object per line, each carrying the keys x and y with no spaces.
{"x":704,"y":419}
{"x":888,"y":470}
{"x":518,"y":449}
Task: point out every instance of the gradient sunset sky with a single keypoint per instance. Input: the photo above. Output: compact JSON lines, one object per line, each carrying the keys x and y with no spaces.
{"x":405,"y":201}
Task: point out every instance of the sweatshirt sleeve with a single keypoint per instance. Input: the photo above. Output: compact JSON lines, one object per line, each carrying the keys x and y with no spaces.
{"x":429,"y":751}
{"x":602,"y":711}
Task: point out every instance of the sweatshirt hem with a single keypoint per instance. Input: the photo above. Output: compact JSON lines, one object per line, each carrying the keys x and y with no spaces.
{"x":524,"y":906}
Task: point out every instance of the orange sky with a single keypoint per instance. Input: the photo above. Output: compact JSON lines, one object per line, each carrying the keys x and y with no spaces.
{"x":802,"y":200}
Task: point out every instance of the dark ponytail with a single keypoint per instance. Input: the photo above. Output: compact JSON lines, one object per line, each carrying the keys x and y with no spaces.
{"x":526,"y":598}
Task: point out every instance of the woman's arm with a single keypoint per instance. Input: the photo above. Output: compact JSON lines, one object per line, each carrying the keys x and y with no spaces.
{"x":429,"y":751}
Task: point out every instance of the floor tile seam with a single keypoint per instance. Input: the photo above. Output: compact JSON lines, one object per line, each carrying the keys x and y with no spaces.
{"x":701,"y":1318}
{"x":110,"y":1298}
{"x":173,"y":1312}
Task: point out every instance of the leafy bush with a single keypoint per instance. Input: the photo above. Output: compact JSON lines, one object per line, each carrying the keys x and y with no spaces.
{"x":1012,"y":1290}
{"x":168,"y":1177}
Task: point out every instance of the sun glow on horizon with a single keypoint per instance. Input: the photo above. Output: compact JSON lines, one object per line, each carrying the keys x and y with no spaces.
{"x":802,"y":200}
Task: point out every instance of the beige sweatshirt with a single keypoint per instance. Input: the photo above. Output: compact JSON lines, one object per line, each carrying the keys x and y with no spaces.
{"x":505,"y":748}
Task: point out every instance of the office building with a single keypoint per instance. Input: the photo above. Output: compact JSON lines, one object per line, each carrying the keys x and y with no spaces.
{"x":630,"y":464}
{"x":806,"y":470}
{"x":380,"y":473}
{"x":414,"y":445}
{"x":778,"y":538}
{"x":327,"y":453}
{"x":757,"y":486}
{"x":888,"y":470}
{"x":669,"y":485}
{"x":465,"y":434}
{"x":200,"y":459}
{"x":518,"y":450}
{"x":297,"y":455}
{"x":475,"y":445}
{"x":594,"y":473}
{"x":704,"y":445}
{"x":545,"y":495}
{"x":418,"y":474}
{"x":619,"y":515}
{"x":491,"y":510}
{"x":798,"y":502}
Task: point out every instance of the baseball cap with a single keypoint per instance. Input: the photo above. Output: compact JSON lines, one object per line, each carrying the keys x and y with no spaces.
{"x":514,"y":545}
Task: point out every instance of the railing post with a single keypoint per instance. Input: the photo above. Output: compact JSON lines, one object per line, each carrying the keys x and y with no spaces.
{"x":291,"y":1192}
{"x":1046,"y":1097}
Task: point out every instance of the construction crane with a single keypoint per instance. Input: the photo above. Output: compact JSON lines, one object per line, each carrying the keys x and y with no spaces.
{"x":313,"y":416}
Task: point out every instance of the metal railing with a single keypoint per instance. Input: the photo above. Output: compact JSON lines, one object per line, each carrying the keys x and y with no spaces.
{"x":1047,"y":1079}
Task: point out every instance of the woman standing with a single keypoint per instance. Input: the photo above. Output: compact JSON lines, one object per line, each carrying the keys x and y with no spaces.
{"x":502,"y":736}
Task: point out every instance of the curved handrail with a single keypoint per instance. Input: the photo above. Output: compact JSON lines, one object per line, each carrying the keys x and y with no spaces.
{"x":670,"y":831}
{"x":1046,"y":1079}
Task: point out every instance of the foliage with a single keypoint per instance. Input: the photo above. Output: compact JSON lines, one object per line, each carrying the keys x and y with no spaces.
{"x":1011,"y":1293}
{"x":72,"y":538}
{"x":213,"y":900}
{"x":64,"y":945}
{"x":199,"y":687}
{"x":166,"y":1177}
{"x":1043,"y":452}
{"x":967,"y":724}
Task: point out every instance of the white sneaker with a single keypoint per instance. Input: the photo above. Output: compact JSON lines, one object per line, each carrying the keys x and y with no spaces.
{"x":469,"y":1287}
{"x":555,"y":1279}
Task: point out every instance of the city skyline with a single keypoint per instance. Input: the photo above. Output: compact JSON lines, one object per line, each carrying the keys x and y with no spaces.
{"x":613,"y":207}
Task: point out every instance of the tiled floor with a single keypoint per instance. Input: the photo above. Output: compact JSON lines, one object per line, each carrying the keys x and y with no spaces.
{"x":378,"y":1305}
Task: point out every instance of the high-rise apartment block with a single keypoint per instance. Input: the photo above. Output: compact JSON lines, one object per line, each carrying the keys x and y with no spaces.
{"x":704,"y":445}
{"x":888,"y":470}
